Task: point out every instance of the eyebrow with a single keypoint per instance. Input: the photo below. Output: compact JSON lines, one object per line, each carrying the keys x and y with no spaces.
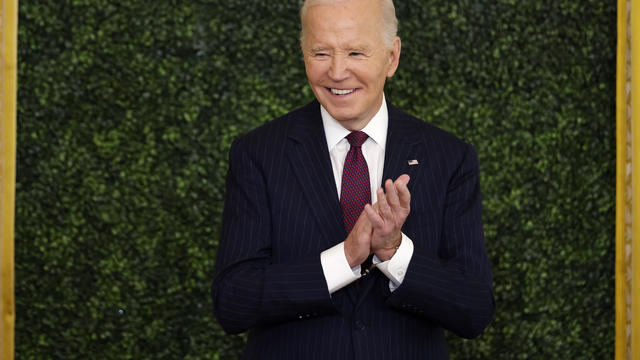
{"x":362,"y":49}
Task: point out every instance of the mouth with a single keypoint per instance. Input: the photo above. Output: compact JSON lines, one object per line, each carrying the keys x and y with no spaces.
{"x":341,"y":92}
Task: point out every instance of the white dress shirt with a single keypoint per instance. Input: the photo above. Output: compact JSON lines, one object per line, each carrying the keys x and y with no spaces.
{"x":335,"y":266}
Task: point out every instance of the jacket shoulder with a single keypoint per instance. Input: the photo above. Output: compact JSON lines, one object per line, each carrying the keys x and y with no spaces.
{"x":428,"y":133}
{"x":277,"y":130}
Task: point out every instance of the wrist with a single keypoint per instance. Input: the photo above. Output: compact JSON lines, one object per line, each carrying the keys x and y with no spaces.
{"x":353,"y":259}
{"x":385,"y":254}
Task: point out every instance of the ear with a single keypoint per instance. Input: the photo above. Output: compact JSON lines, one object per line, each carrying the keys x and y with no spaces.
{"x":394,"y":56}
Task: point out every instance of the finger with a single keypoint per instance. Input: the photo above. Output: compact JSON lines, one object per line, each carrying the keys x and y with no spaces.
{"x":392,"y":195}
{"x":365,"y":224}
{"x":404,"y":178}
{"x":357,"y":246}
{"x":383,"y":206}
{"x":373,"y":217}
{"x":403,"y":192}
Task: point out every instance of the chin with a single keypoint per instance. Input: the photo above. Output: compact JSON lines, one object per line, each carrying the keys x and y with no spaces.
{"x":341,"y":113}
{"x":346,"y":119}
{"x":341,"y":116}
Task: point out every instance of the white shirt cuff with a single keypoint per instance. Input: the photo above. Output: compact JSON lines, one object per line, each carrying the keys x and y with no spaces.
{"x":336,"y":268}
{"x":396,"y":267}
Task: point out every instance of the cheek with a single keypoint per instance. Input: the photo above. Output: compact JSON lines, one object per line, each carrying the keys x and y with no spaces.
{"x":381,"y":75}
{"x":371,"y":73}
{"x":314,"y":72}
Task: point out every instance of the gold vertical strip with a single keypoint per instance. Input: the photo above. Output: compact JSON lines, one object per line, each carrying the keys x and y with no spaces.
{"x":634,"y":101}
{"x":8,"y":95}
{"x":623,"y":251}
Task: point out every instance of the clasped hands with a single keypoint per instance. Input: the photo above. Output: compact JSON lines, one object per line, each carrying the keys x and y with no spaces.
{"x":378,"y":229}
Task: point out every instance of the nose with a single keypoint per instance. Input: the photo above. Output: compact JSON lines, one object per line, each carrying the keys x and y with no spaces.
{"x":338,"y":69}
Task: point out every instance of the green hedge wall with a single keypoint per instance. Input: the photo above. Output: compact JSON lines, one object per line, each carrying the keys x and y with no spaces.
{"x":127,"y":110}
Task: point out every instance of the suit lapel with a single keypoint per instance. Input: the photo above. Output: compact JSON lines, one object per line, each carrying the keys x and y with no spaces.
{"x":311,"y":165}
{"x":403,"y":147}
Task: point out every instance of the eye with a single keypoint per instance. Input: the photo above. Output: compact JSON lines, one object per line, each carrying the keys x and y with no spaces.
{"x":355,"y":53}
{"x":320,"y":55}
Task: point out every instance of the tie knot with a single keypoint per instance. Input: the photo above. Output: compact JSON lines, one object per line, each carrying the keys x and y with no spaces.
{"x":357,"y":138}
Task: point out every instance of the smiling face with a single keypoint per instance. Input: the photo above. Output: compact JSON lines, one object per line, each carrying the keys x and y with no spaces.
{"x":346,"y":59}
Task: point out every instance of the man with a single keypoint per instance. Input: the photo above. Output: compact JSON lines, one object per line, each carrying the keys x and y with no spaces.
{"x":299,"y":227}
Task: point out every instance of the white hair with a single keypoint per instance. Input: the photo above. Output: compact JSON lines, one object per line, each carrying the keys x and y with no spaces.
{"x":389,"y":29}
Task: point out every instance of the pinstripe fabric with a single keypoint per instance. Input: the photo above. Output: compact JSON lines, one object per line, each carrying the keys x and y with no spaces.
{"x":282,"y":210}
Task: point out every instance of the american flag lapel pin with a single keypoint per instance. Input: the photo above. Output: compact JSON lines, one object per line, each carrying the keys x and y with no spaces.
{"x":413,"y":162}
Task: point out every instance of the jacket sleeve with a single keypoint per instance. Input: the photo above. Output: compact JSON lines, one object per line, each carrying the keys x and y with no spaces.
{"x":249,"y":289}
{"x":454,"y":286}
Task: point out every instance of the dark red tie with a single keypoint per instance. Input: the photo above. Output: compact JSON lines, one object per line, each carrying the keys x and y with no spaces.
{"x":355,"y":191}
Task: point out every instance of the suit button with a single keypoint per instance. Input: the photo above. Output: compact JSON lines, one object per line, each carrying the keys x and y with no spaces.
{"x":359,"y":325}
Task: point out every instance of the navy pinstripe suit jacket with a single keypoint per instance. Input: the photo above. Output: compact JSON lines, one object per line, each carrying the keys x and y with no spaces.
{"x":282,"y":211}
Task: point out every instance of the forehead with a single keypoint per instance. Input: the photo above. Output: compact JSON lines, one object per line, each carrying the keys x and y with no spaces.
{"x":352,"y":23}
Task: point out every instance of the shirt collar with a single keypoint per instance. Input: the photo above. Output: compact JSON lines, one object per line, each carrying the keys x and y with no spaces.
{"x":376,"y":128}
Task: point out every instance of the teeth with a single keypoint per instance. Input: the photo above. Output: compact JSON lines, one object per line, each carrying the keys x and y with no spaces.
{"x":341,"y":92}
